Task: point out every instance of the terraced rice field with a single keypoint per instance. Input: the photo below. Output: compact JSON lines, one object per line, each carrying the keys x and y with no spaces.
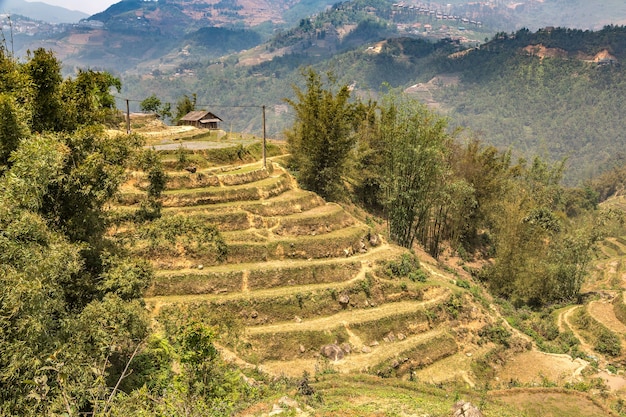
{"x":298,"y":274}
{"x":284,"y":276}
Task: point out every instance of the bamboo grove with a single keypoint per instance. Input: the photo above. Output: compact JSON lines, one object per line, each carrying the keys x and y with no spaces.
{"x":444,"y":189}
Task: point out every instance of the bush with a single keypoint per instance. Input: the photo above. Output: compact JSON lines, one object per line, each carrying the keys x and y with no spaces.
{"x":608,"y":343}
{"x":461,"y":283}
{"x":418,"y":276}
{"x":496,"y":333}
{"x":194,"y":235}
{"x":407,"y":264}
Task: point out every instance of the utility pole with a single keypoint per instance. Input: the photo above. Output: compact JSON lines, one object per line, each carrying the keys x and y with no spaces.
{"x":127,"y":118}
{"x":264,"y":140}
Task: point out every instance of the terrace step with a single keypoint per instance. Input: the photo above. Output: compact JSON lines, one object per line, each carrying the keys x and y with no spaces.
{"x":364,"y":318}
{"x":262,"y":189}
{"x":338,"y":243}
{"x":291,"y":201}
{"x":282,"y":304}
{"x":194,"y":281}
{"x":419,"y":350}
{"x":360,"y":328}
{"x":244,"y":174}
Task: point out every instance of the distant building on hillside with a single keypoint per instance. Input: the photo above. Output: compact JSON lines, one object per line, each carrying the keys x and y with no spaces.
{"x":201,"y":119}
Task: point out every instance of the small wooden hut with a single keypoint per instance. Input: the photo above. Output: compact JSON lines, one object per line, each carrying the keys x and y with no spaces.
{"x":201,"y":119}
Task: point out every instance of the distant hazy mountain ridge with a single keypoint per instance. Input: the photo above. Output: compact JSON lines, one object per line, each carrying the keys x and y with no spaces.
{"x":41,"y":11}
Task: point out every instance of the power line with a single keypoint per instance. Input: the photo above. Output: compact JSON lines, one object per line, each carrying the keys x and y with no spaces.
{"x":249,"y":106}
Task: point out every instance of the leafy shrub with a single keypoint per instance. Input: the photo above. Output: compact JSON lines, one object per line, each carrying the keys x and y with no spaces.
{"x":194,"y":235}
{"x":407,"y":264}
{"x":418,"y":276}
{"x":461,"y":283}
{"x":496,"y":333}
{"x":608,"y":343}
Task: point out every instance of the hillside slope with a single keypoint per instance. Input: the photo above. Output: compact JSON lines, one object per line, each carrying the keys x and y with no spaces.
{"x":297,"y":286}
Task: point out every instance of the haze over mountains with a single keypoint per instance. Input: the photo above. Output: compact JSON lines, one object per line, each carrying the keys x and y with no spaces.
{"x":41,"y":11}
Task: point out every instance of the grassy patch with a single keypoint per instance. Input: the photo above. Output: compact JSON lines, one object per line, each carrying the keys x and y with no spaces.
{"x":195,"y":282}
{"x":320,"y":220}
{"x":286,"y":346}
{"x":303,"y":275}
{"x":406,"y":324}
{"x":214,"y":195}
{"x":259,"y":310}
{"x":551,"y":403}
{"x":330,"y":245}
{"x":542,"y":327}
{"x":619,"y":307}
{"x":422,"y":355}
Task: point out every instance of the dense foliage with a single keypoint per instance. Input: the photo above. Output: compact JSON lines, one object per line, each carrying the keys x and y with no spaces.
{"x":431,"y":190}
{"x":556,"y":102}
{"x":75,"y":335}
{"x":71,"y":310}
{"x":322,"y":136}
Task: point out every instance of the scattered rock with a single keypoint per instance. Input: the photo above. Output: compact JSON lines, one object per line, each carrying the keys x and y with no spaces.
{"x":346,"y":348}
{"x":200,"y":266}
{"x":333,"y":352}
{"x":250,"y":381}
{"x":374,"y":240}
{"x":284,"y":405}
{"x":391,"y":337}
{"x":465,"y":409}
{"x":348,"y":252}
{"x":374,"y":343}
{"x":191,"y":169}
{"x":401,"y":336}
{"x":362,"y":247}
{"x":302,"y":349}
{"x":298,"y":319}
{"x":344,"y":299}
{"x":366,"y":349}
{"x":289,"y":402}
{"x":254,"y":314}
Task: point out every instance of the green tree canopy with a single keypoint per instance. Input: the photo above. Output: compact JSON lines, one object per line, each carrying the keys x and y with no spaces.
{"x":322,"y":135}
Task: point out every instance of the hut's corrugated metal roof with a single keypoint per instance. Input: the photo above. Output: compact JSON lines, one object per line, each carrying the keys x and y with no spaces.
{"x":194,"y":116}
{"x":201,"y":115}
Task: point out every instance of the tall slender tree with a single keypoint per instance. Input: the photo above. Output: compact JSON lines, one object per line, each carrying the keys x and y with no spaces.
{"x":322,"y":135}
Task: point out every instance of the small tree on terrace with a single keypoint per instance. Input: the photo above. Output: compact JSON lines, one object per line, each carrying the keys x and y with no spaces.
{"x":152,"y":104}
{"x":184,"y":106}
{"x":322,"y":135}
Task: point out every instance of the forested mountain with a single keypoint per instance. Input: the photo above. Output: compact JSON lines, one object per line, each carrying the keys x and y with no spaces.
{"x":554,"y":92}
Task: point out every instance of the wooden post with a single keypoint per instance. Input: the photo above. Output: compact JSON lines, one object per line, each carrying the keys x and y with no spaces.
{"x":127,"y":118}
{"x":264,"y":141}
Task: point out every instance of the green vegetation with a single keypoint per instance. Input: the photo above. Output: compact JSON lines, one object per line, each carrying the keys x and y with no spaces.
{"x":80,"y":338}
{"x":604,"y":340}
{"x":433,"y":190}
{"x":71,"y":306}
{"x":74,"y":331}
{"x":322,"y":136}
{"x":559,"y":105}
